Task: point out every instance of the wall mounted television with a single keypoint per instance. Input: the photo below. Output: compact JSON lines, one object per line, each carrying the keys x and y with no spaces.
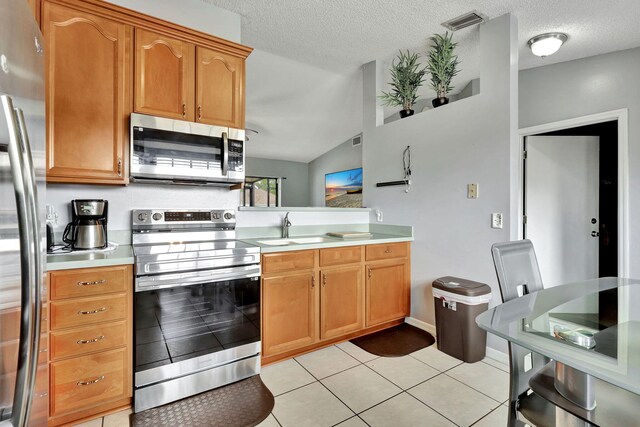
{"x":343,"y":189}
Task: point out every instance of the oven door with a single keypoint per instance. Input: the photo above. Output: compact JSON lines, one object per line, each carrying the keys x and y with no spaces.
{"x":188,"y":329}
{"x":175,"y":150}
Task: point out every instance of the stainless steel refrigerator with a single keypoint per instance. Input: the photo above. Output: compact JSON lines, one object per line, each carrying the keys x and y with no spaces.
{"x":23,"y":368}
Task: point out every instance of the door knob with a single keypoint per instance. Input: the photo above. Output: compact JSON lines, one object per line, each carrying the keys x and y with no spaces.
{"x":594,"y":234}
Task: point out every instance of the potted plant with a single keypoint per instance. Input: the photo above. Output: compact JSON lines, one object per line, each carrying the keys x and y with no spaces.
{"x":406,"y":78}
{"x":442,"y":65}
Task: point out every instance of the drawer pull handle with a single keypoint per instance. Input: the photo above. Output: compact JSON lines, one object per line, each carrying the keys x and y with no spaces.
{"x":388,"y":251}
{"x":324,"y":280}
{"x":369,"y":272}
{"x":101,"y":337}
{"x":97,"y":282}
{"x":99,"y":310}
{"x":97,"y":380}
{"x":313,"y":281}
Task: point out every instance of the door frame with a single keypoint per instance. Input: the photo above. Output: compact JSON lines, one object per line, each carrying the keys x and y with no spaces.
{"x":621,"y":115}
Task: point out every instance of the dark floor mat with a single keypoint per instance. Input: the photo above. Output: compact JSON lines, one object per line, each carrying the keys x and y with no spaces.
{"x":395,"y":342}
{"x":242,"y":404}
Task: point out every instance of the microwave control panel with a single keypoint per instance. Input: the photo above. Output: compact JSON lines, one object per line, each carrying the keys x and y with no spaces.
{"x":236,"y":155}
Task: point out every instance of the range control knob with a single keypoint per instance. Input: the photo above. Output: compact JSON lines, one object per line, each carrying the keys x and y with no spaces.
{"x":227,"y":215}
{"x":157,"y":216}
{"x":143,"y":216}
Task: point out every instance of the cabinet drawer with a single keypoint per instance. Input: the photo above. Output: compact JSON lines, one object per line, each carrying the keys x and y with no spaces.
{"x":287,"y":261}
{"x":81,"y":312}
{"x":89,"y":281}
{"x":86,"y":381}
{"x":386,"y":251}
{"x":80,"y":341}
{"x":338,"y":256}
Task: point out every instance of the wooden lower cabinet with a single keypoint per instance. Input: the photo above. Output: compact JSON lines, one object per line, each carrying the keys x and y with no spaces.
{"x":387,"y":292}
{"x":90,"y":342}
{"x":289,"y":303}
{"x":316,"y":297}
{"x":341,"y":301}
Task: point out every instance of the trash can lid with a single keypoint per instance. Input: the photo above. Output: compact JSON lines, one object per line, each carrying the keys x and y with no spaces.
{"x":460,"y":286}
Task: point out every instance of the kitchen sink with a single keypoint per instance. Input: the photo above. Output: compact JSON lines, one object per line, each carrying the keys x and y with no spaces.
{"x":298,"y":241}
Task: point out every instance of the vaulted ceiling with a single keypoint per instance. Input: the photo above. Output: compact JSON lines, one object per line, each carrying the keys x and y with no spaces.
{"x":339,"y":36}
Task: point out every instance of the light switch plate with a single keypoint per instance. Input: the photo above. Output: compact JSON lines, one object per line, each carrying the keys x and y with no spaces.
{"x":496,"y":220}
{"x":379,"y":216}
{"x":472,"y":191}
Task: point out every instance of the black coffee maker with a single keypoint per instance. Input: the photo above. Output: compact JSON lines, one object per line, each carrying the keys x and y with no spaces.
{"x":88,"y":226}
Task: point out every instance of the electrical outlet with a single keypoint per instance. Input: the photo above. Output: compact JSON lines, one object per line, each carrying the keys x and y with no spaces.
{"x":472,"y":191}
{"x":496,"y":220}
{"x":52,"y":215}
{"x":379,"y":215}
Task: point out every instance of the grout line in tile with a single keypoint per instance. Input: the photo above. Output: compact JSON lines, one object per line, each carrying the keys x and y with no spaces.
{"x":376,"y":356}
{"x":477,"y":421}
{"x":494,"y":366}
{"x":320,"y":382}
{"x":381,"y":402}
{"x":362,"y":419}
{"x":473,"y":388}
{"x":274,"y":417}
{"x":433,"y":409}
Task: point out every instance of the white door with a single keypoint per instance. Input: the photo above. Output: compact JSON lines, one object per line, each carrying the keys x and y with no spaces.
{"x":561,"y":191}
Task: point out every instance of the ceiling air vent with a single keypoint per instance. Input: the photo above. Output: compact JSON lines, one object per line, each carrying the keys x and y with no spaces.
{"x":356,"y":140}
{"x":464,"y":21}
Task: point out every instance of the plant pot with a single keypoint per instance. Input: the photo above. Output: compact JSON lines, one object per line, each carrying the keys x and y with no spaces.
{"x":437,"y":102}
{"x":405,"y":113}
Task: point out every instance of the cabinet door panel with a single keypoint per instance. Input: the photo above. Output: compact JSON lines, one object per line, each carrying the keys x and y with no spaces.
{"x":219,"y":88}
{"x":341,"y":301}
{"x":386,"y":292}
{"x":87,"y":96}
{"x":289,"y":312}
{"x":164,"y":76}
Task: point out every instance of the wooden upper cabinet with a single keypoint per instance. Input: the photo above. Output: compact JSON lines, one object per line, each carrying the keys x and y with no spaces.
{"x":87,"y":96}
{"x":164,"y":76}
{"x":219,"y":88}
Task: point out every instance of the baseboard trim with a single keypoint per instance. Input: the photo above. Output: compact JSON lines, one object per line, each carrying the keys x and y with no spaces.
{"x":498,"y":355}
{"x":420,"y":324}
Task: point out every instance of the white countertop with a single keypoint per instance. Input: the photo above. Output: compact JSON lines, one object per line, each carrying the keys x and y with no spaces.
{"x":331,"y":242}
{"x":123,"y":254}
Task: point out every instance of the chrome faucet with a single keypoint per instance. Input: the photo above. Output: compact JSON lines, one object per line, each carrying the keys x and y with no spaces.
{"x":285,"y":226}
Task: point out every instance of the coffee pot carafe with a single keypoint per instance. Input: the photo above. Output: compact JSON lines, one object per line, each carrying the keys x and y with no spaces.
{"x":88,"y":226}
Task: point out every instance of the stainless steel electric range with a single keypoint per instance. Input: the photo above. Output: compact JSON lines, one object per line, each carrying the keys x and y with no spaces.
{"x":196,"y":304}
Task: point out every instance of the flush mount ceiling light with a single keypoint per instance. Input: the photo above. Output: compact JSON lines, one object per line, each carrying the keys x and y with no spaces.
{"x":546,"y":44}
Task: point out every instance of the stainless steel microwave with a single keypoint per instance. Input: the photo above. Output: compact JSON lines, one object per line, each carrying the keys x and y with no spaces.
{"x":180,"y":152}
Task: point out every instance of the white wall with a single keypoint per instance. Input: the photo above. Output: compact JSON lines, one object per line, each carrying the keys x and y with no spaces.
{"x":197,"y":14}
{"x":342,"y":157}
{"x":138,"y":196}
{"x":587,"y":86}
{"x":468,"y":141}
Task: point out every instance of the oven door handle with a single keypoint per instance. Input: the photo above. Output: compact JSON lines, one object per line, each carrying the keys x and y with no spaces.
{"x":174,"y":280}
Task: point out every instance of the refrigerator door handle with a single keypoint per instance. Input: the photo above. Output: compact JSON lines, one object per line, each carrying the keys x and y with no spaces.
{"x":29,"y":265}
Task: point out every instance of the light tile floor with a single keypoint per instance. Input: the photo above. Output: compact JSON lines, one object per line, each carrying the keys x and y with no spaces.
{"x":345,"y":386}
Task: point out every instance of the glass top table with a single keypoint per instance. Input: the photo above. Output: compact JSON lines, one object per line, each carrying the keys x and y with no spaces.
{"x":592,"y":326}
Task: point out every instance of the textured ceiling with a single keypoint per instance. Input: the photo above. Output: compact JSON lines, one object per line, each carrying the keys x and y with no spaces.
{"x":340,"y":36}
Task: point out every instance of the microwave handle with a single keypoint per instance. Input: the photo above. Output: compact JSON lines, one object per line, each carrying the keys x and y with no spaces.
{"x":225,"y":153}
